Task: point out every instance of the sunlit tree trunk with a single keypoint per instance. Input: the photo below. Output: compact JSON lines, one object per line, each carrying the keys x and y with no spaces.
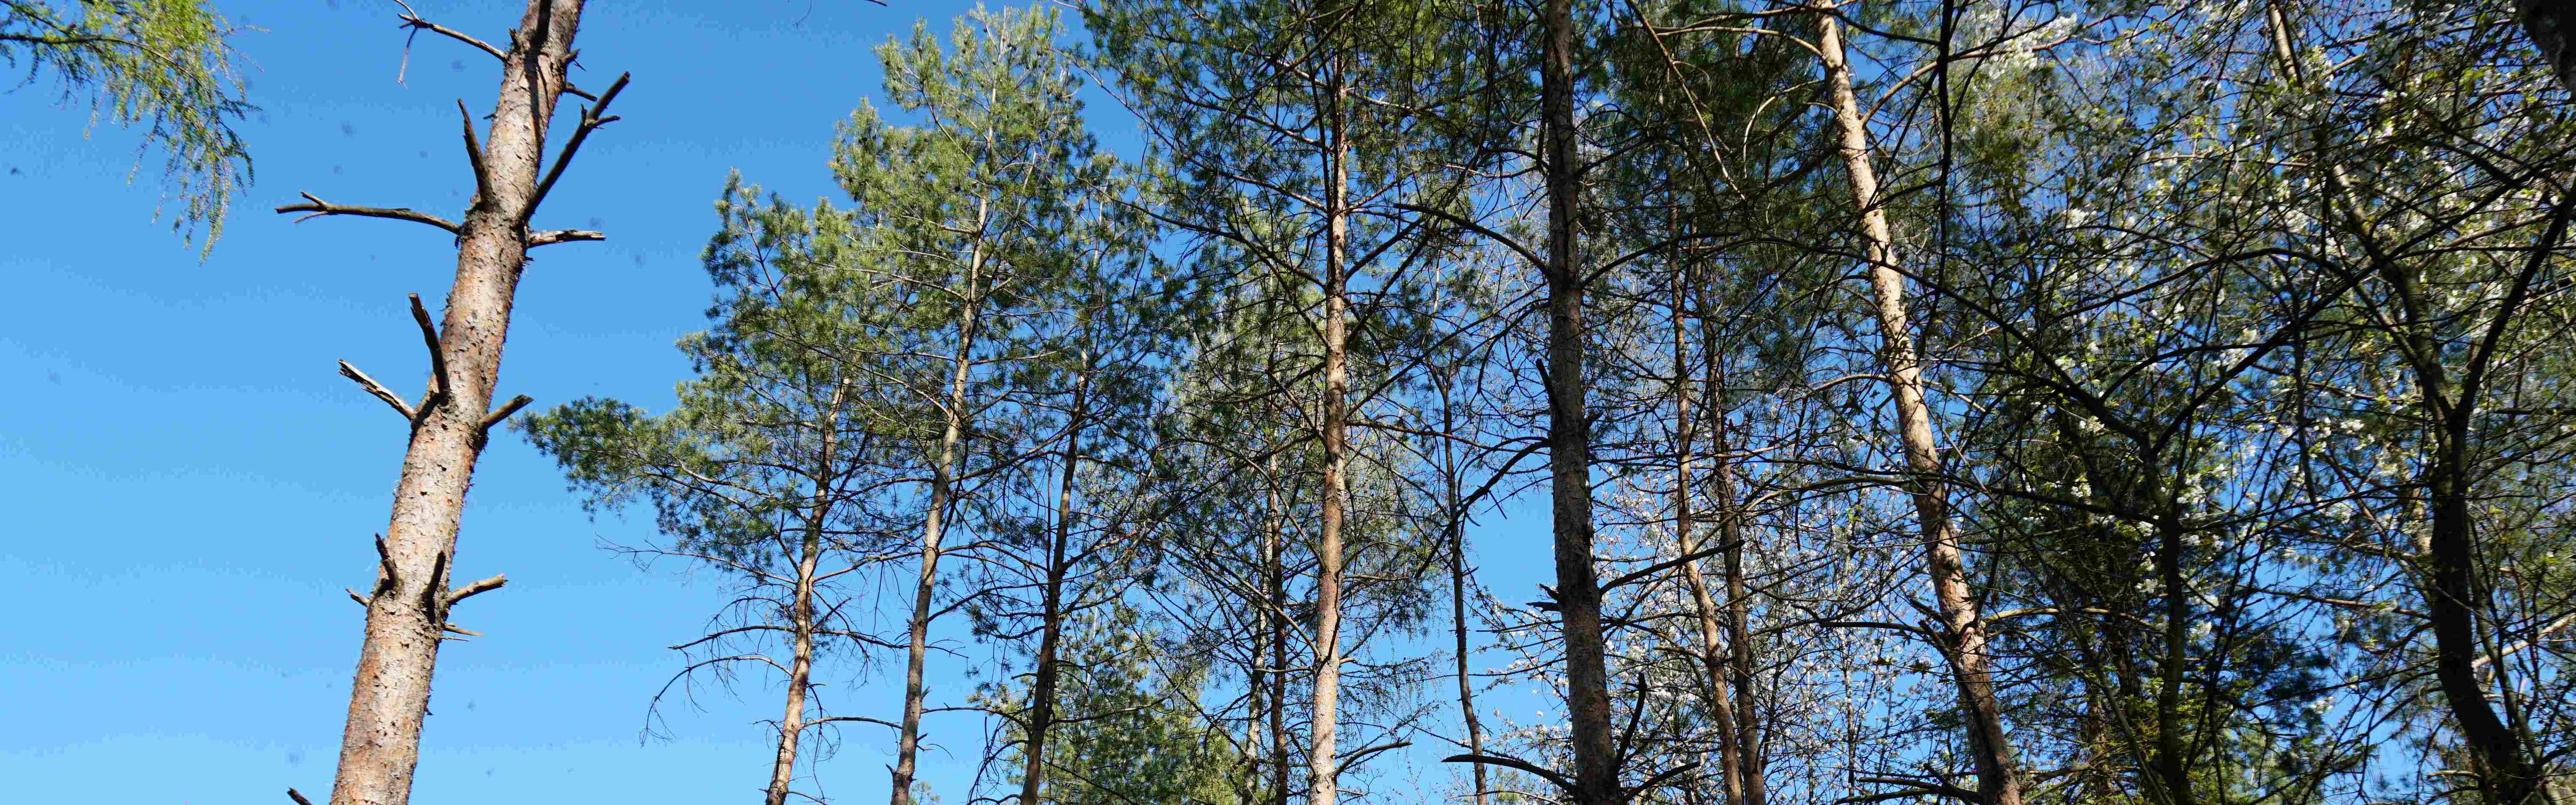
{"x":1963,"y":633}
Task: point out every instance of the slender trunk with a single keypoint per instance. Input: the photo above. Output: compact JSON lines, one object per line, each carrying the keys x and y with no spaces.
{"x":1712,"y":647}
{"x":800,"y":610}
{"x":1578,"y":587}
{"x":1275,"y":585}
{"x":1042,"y":698}
{"x":1964,"y":634}
{"x":2450,"y":544}
{"x":1739,"y":631}
{"x":1324,"y":770}
{"x":1458,"y":588}
{"x":406,"y":614}
{"x":800,"y":669}
{"x":934,"y":529}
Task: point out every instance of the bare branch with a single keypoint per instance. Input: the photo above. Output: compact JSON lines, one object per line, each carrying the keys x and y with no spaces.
{"x":475,"y":589}
{"x":590,"y":121}
{"x":412,"y":20}
{"x":506,"y":410}
{"x":354,"y":596}
{"x":553,"y":236}
{"x":298,"y":797}
{"x":474,"y":154}
{"x":378,"y":389}
{"x":320,"y":208}
{"x":450,"y":627}
{"x":439,"y":392}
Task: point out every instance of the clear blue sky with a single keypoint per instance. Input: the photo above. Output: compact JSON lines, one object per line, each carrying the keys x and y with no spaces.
{"x":190,"y":484}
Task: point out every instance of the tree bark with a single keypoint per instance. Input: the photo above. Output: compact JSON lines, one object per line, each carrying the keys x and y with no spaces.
{"x":389,"y":695}
{"x":1964,"y":634}
{"x":1275,"y":584}
{"x":935,"y":528}
{"x":1712,"y":647}
{"x":1578,"y":586}
{"x":1042,"y":695}
{"x":1323,"y":768}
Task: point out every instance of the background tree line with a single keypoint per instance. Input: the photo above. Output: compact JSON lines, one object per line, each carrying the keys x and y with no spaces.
{"x":1978,"y":400}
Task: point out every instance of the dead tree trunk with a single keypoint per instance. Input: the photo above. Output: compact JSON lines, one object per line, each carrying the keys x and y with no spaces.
{"x":408,"y":606}
{"x":1963,"y":633}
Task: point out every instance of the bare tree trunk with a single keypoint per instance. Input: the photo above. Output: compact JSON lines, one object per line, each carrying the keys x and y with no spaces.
{"x":1964,"y":634}
{"x":935,"y":528}
{"x":1578,"y":586}
{"x":1275,"y":584}
{"x":1323,"y":768}
{"x":1042,"y":697}
{"x":1455,"y":509}
{"x":1686,"y":542}
{"x":407,"y":609}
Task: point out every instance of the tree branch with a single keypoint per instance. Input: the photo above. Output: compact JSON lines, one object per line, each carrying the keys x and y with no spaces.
{"x":475,"y":589}
{"x":590,"y":121}
{"x":320,"y":208}
{"x":412,"y":20}
{"x":1513,"y":763}
{"x":378,"y":389}
{"x":553,"y":236}
{"x":298,"y":796}
{"x":506,"y":410}
{"x":439,"y":391}
{"x":474,"y":154}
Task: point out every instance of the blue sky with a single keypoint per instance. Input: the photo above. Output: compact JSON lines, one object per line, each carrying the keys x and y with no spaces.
{"x":191,"y":484}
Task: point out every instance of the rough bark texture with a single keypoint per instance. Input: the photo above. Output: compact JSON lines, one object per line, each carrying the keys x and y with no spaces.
{"x":1963,"y":632}
{"x":1578,"y":586}
{"x":2545,"y":22}
{"x":389,"y":697}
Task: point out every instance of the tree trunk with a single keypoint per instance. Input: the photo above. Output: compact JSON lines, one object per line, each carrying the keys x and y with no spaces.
{"x":1578,"y":587}
{"x":1686,"y":542}
{"x":1323,"y":787}
{"x":800,"y":670}
{"x":1042,"y":696}
{"x":1964,"y":634}
{"x":1275,"y":583}
{"x":389,"y":696}
{"x":1458,"y":588}
{"x":935,"y":528}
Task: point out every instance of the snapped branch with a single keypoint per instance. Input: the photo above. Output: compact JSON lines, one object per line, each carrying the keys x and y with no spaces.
{"x":553,"y":236}
{"x":439,"y":391}
{"x":378,"y":389}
